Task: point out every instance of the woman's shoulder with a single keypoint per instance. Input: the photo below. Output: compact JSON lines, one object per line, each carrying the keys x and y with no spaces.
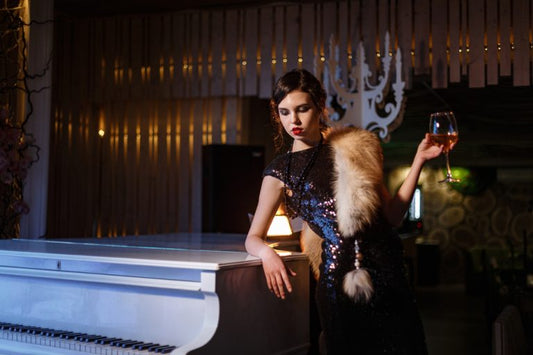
{"x":356,"y":144}
{"x":339,"y":135}
{"x":277,"y":166}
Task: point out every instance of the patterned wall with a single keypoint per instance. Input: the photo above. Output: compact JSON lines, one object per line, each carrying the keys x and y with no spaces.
{"x":493,"y":217}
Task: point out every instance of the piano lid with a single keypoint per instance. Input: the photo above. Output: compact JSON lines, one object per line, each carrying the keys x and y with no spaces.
{"x":168,"y":256}
{"x":188,"y":241}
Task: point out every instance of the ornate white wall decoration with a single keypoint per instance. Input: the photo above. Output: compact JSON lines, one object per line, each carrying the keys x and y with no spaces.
{"x":363,"y":104}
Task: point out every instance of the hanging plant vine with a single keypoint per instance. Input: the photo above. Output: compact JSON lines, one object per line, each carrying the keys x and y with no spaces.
{"x":18,"y":149}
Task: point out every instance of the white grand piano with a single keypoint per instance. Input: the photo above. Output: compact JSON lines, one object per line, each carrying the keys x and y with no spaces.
{"x":176,"y":294}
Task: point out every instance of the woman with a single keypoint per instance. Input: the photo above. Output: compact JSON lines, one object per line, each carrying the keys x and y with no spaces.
{"x":332,"y":179}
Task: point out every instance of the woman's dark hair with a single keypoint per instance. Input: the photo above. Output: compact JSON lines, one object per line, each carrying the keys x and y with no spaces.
{"x":301,"y":80}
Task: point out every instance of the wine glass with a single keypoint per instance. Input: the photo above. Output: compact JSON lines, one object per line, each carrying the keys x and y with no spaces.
{"x":443,"y":132}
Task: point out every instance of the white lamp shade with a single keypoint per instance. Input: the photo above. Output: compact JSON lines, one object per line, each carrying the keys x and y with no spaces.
{"x":280,"y":226}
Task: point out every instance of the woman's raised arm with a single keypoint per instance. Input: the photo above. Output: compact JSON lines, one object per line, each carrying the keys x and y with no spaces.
{"x":396,"y":206}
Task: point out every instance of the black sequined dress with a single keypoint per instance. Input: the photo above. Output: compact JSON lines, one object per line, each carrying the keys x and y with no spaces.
{"x":390,"y":322}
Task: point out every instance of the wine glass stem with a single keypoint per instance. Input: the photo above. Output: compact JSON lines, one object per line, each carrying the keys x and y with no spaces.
{"x":448,"y":170}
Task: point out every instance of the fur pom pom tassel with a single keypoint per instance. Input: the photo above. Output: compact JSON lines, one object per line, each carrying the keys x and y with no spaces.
{"x":358,"y":285}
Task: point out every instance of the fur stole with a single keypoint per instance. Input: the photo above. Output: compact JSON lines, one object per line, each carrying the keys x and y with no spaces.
{"x":311,"y":245}
{"x":358,"y":175}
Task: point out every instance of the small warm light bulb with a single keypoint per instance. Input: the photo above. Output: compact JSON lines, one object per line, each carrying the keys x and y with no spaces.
{"x":101,"y":132}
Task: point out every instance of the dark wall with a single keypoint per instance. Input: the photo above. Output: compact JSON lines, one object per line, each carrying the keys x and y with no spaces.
{"x":231,"y":182}
{"x":495,"y":124}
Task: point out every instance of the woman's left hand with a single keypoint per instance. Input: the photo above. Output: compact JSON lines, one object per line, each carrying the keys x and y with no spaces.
{"x":427,"y":151}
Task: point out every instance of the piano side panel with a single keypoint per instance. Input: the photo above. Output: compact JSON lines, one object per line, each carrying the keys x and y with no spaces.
{"x":254,"y":321}
{"x":164,"y":316}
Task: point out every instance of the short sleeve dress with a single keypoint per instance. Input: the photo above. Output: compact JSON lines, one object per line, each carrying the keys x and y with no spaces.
{"x":389,"y":323}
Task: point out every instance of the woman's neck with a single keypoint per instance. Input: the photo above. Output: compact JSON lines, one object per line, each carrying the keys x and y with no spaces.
{"x":298,"y":145}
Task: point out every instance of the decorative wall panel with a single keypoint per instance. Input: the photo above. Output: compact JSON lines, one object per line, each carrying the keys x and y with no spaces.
{"x":161,"y":85}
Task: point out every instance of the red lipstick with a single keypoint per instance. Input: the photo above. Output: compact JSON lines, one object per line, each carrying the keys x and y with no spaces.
{"x":297,"y":131}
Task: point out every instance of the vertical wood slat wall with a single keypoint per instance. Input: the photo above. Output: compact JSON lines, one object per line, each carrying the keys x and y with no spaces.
{"x":161,"y":85}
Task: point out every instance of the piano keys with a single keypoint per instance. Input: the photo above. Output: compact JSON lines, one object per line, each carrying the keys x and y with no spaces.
{"x":48,"y":341}
{"x":178,"y":294}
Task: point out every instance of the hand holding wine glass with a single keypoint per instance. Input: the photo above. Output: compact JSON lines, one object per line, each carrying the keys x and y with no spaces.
{"x":443,"y":132}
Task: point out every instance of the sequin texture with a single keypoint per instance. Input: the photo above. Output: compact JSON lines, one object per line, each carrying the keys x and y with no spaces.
{"x":389,"y":323}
